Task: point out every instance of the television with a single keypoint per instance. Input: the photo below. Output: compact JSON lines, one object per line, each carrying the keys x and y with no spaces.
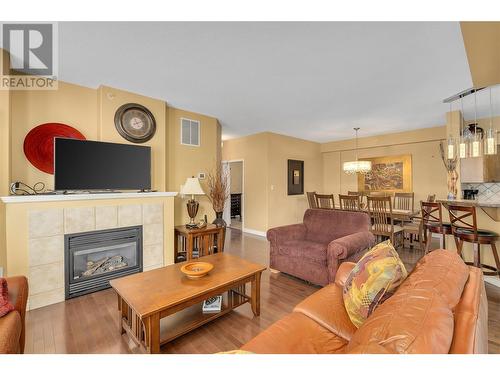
{"x":91,"y":165}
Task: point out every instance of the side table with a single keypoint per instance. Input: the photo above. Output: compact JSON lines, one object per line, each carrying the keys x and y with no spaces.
{"x":193,"y":243}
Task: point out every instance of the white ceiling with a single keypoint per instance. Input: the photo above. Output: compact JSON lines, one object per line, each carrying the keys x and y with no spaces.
{"x":310,"y":80}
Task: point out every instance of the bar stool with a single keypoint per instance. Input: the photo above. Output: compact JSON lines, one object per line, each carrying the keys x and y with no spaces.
{"x":464,"y":231}
{"x":432,"y":222}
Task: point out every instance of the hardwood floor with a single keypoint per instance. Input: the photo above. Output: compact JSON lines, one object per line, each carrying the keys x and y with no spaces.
{"x":89,"y":324}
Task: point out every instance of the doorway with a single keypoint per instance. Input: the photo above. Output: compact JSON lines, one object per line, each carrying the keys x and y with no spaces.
{"x":233,"y":209}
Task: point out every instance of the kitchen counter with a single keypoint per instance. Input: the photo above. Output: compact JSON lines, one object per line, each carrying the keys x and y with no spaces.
{"x":491,"y":208}
{"x":470,"y":202}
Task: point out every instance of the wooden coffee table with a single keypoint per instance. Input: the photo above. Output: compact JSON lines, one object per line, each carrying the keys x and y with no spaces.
{"x":160,"y":305}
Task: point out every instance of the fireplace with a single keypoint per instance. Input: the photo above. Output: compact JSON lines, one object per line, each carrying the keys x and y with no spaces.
{"x":93,"y":258}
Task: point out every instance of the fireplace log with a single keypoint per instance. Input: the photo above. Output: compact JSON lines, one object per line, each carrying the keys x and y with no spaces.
{"x":105,"y":265}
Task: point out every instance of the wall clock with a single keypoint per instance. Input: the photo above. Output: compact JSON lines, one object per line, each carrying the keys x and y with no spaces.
{"x":135,"y":123}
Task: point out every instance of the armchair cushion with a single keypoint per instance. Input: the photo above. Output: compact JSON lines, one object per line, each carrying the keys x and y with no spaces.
{"x":310,"y":251}
{"x":11,"y":328}
{"x":326,"y":307}
{"x":5,"y":305}
{"x":286,"y":233}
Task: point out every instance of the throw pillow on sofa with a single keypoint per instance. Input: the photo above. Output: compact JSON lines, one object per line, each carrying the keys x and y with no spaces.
{"x":373,"y":279}
{"x":5,"y":305}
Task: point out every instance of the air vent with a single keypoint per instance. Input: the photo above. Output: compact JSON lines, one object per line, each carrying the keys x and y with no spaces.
{"x":190,"y":132}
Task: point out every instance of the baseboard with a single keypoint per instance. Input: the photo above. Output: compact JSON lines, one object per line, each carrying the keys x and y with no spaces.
{"x":255,"y":232}
{"x":493,"y":280}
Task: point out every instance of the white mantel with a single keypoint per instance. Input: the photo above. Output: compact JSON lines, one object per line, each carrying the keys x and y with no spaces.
{"x":80,"y":197}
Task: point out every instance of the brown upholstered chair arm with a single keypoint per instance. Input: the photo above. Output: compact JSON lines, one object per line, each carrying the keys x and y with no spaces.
{"x":286,"y":233}
{"x":349,"y":248}
{"x":345,"y":247}
{"x":18,"y":296}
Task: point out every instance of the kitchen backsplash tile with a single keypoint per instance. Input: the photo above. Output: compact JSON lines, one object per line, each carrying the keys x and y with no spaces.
{"x":486,"y":191}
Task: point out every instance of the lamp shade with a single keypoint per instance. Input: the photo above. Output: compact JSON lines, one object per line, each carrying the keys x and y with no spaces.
{"x":192,"y":187}
{"x":358,"y":166}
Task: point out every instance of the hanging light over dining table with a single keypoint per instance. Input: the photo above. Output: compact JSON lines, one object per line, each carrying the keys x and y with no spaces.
{"x":357,"y":166}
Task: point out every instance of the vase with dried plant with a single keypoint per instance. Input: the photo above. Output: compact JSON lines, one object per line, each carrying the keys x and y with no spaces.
{"x":218,"y":193}
{"x":452,"y":174}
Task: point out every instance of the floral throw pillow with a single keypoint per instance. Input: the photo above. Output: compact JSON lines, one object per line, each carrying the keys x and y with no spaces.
{"x":5,"y":305}
{"x":373,"y":279}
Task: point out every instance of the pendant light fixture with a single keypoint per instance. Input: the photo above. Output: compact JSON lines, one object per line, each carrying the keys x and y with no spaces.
{"x":357,"y":166}
{"x":463,"y":147}
{"x":451,"y":149}
{"x":476,"y":142}
{"x":490,"y":142}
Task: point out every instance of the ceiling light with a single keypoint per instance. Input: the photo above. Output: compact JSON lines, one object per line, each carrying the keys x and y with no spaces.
{"x":357,"y":166}
{"x":490,"y":142}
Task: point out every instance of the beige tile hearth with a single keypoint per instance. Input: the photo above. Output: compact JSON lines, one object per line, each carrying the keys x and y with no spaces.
{"x":153,"y":234}
{"x":46,"y":250}
{"x":44,"y":223}
{"x":81,"y":219}
{"x":152,"y":213}
{"x":46,"y":298}
{"x":129,"y":215}
{"x":46,"y":278}
{"x":106,"y":217}
{"x":152,"y":255}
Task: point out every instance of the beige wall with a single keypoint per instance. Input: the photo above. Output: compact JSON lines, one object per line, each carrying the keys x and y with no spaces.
{"x":73,"y":105}
{"x":109,"y":100}
{"x":5,"y":128}
{"x":91,"y":111}
{"x":185,"y":161}
{"x":253,"y":150}
{"x":482,"y":41}
{"x":236,"y":174}
{"x":428,"y":171}
{"x":266,"y":203}
{"x":283,"y":208}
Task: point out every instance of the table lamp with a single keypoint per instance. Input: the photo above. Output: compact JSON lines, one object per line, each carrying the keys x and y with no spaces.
{"x":192,"y":187}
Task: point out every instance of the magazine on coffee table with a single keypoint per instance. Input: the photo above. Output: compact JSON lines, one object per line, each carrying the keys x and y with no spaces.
{"x":212,"y":305}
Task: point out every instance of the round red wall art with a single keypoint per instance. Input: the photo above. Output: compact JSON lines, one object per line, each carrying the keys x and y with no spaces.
{"x":39,"y":144}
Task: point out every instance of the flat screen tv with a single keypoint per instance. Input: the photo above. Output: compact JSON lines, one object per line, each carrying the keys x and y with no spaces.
{"x":91,"y":165}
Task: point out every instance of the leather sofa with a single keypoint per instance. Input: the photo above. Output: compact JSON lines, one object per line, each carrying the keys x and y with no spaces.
{"x":313,"y":250}
{"x":12,"y":326}
{"x":440,"y":308}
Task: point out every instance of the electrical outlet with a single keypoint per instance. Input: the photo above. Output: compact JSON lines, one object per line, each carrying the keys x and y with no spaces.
{"x":201,"y":175}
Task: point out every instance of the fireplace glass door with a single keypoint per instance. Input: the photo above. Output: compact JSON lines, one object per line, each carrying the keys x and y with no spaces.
{"x":94,"y":258}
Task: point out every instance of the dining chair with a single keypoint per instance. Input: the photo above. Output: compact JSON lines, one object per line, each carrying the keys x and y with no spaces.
{"x":350,"y":202}
{"x":380,"y":211}
{"x":378,"y":194}
{"x":404,"y":201}
{"x":361,"y":195}
{"x":311,"y":198}
{"x":325,"y":201}
{"x":432,"y":222}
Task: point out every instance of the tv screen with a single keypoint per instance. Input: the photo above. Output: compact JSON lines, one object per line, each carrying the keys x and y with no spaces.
{"x":91,"y":165}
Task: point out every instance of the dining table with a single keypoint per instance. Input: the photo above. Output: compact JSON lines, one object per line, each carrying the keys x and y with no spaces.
{"x":397,"y":214}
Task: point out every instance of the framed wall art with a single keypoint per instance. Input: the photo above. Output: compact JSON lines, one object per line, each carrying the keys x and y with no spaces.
{"x":389,"y":173}
{"x":295,"y":177}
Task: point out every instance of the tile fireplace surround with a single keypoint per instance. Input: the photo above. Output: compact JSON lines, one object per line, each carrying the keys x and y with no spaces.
{"x":32,"y":239}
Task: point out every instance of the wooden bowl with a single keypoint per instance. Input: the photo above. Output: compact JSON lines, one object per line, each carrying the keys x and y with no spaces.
{"x":195,"y":270}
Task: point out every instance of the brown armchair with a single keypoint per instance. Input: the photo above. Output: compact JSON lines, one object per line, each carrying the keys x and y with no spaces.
{"x":12,"y":325}
{"x":314,"y":250}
